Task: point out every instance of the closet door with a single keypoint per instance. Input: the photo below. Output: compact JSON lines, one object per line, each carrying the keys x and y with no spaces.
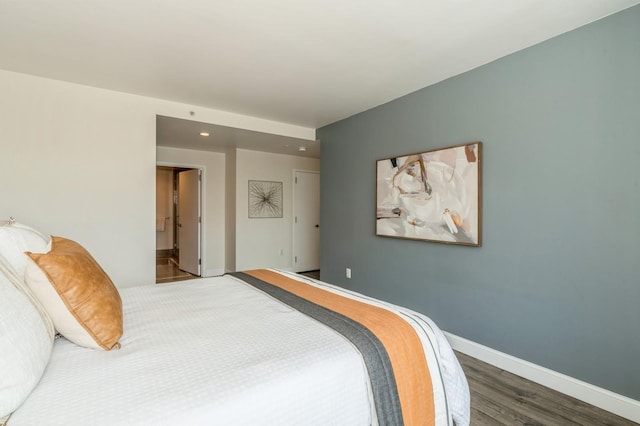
{"x":306,"y":226}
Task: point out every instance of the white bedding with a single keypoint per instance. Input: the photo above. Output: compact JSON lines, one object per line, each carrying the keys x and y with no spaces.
{"x":217,"y":351}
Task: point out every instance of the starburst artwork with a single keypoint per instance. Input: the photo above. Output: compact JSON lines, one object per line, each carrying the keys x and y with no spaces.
{"x":265,"y":199}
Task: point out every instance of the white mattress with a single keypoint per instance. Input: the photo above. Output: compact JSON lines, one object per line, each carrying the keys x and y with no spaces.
{"x":217,"y":351}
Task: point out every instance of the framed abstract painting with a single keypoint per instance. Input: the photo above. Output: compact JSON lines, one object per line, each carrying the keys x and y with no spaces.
{"x":265,"y":199}
{"x":432,"y":195}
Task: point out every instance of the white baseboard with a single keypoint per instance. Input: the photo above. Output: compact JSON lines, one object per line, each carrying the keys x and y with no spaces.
{"x":213,"y":272}
{"x":226,"y":271}
{"x":599,"y":397}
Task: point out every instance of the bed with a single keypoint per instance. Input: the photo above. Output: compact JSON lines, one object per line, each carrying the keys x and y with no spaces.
{"x":255,"y":347}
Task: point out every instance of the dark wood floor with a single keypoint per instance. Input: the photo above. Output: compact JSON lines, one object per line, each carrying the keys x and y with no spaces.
{"x":312,"y":274}
{"x":501,"y":398}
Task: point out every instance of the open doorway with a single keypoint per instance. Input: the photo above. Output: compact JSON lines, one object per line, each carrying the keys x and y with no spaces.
{"x":178,"y":223}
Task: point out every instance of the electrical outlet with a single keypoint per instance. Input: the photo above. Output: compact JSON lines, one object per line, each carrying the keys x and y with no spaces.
{"x":348,"y":272}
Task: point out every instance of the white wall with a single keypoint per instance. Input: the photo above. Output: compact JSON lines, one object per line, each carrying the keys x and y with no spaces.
{"x":79,"y":162}
{"x":213,"y":166}
{"x":230,"y":218}
{"x":260,"y":241}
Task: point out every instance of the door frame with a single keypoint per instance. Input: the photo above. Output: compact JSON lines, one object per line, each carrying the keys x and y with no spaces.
{"x":293,"y":216}
{"x":202,"y":195}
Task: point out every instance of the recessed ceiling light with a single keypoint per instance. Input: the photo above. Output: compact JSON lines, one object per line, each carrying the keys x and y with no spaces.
{"x":204,"y":134}
{"x":302,"y":148}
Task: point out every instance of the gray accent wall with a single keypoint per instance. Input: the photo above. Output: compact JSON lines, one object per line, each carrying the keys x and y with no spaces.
{"x":557,"y":279}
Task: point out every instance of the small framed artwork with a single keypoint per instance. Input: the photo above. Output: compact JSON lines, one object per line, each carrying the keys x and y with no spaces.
{"x":432,"y":195}
{"x":265,"y":199}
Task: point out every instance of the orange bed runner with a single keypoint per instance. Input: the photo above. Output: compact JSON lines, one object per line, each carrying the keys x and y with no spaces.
{"x":400,"y":340}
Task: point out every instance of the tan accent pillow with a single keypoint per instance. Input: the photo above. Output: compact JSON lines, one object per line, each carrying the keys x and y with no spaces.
{"x":78,"y":295}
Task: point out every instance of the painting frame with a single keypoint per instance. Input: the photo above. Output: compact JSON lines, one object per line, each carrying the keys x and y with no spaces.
{"x":265,"y":199}
{"x":433,"y":195}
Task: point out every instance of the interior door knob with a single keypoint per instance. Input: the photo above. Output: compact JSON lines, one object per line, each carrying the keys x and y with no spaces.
{"x":317,"y":226}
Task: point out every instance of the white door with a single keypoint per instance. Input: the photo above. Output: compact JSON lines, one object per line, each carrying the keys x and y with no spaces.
{"x":306,"y":222}
{"x":189,"y":221}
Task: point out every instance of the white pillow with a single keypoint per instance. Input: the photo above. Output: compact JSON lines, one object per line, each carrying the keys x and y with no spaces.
{"x":26,"y":332}
{"x":15,"y":239}
{"x":25,"y":347}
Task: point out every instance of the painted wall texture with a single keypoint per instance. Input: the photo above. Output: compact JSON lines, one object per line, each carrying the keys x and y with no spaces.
{"x":79,"y":162}
{"x":557,"y":280}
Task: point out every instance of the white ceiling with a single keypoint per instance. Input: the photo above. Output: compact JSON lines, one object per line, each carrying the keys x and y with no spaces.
{"x":185,"y":134}
{"x":303,"y":62}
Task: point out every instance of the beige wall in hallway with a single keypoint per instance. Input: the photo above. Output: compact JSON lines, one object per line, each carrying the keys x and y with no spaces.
{"x":266,"y":242}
